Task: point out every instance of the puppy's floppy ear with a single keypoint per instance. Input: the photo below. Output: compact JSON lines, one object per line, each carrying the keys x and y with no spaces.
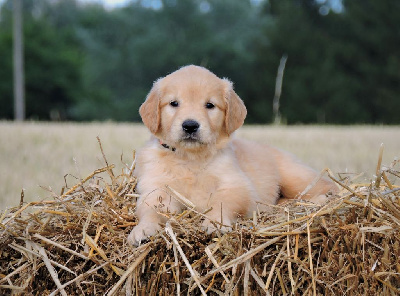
{"x":150,"y":109}
{"x":236,"y":110}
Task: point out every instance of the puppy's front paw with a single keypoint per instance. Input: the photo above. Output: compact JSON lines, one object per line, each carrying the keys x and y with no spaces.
{"x":141,"y":232}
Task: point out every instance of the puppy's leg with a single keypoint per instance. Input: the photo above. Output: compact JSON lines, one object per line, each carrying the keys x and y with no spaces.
{"x":149,"y":209}
{"x":295,"y":177}
{"x":227,"y":205}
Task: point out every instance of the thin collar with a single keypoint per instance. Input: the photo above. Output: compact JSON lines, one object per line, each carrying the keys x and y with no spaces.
{"x":167,"y":147}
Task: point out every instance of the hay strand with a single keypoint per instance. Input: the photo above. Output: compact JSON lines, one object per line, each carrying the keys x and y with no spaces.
{"x":51,"y":270}
{"x":195,"y":277}
{"x":129,"y":271}
{"x":37,"y":235}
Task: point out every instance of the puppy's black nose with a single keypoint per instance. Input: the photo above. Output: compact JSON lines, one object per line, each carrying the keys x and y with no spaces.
{"x":190,"y":126}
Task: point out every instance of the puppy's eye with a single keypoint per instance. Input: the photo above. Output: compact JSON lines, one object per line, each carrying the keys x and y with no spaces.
{"x":174,"y":103}
{"x":210,"y":106}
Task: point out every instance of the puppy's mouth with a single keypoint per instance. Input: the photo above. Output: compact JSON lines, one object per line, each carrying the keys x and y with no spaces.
{"x":191,"y":138}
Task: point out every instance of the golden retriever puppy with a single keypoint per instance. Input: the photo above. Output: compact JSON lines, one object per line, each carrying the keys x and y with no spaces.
{"x":192,"y":114}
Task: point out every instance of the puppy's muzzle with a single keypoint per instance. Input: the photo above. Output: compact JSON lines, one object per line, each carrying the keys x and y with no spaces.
{"x":190,"y":127}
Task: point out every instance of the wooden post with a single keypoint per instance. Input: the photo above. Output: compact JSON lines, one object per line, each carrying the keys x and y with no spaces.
{"x":278,"y":90}
{"x":18,"y":55}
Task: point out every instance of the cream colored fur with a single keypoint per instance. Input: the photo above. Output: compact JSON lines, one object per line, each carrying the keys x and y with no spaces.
{"x":214,"y":170}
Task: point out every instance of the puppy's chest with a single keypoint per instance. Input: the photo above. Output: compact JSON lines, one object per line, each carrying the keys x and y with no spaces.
{"x":192,"y":175}
{"x":195,"y":180}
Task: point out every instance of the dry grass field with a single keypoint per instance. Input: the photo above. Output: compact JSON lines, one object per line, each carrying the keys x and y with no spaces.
{"x":36,"y":156}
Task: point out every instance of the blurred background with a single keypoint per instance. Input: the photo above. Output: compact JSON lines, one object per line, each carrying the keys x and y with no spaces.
{"x":96,"y":60}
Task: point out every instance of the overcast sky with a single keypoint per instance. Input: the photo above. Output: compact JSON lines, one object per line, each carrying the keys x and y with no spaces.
{"x":108,"y":3}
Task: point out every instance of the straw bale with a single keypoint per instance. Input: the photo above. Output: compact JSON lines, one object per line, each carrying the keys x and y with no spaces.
{"x":75,"y":244}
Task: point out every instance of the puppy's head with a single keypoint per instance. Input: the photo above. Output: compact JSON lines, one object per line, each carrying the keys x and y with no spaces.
{"x":192,"y":108}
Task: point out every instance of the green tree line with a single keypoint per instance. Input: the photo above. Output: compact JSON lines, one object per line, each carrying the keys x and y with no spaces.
{"x":85,"y":62}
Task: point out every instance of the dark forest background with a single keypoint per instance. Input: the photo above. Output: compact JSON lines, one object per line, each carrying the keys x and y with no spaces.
{"x":84,"y":62}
